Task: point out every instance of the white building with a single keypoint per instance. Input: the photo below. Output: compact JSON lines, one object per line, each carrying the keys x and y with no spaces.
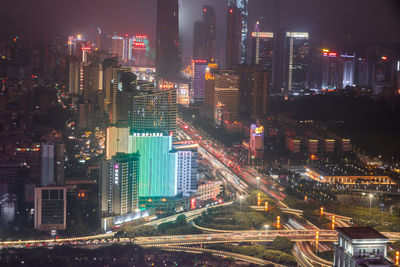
{"x":209,"y":190}
{"x":360,"y":246}
{"x":47,"y":175}
{"x":187,"y":168}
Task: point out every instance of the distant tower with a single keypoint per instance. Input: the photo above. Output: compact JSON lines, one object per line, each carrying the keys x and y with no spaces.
{"x":233,"y":37}
{"x":242,"y":6}
{"x":167,"y":54}
{"x":209,"y":24}
{"x":198,"y":39}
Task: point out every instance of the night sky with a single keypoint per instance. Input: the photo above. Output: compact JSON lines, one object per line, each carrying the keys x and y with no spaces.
{"x":334,"y":21}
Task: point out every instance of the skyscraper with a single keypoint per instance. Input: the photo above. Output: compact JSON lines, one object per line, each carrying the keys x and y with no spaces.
{"x":153,"y":111}
{"x":348,"y":63}
{"x":242,"y":7}
{"x":167,"y":54}
{"x":116,"y":141}
{"x":209,"y":24}
{"x":198,"y":80}
{"x":157,"y":165}
{"x":233,"y":37}
{"x":227,"y":92}
{"x":119,"y":183}
{"x":73,"y":71}
{"x":198,"y":39}
{"x":263,"y":51}
{"x":296,"y":61}
{"x":330,"y":71}
{"x":211,"y":70}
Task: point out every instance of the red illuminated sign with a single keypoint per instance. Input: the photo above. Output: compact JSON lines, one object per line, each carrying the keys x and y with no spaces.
{"x":332,"y":54}
{"x":199,"y":61}
{"x":192,"y":203}
{"x":86,"y":48}
{"x":384,"y":58}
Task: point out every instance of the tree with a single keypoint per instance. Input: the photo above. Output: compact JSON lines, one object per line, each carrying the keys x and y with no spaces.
{"x":181,"y":220}
{"x":282,"y":244}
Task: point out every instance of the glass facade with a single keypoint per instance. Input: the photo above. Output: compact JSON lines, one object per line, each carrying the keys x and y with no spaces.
{"x":157,"y":165}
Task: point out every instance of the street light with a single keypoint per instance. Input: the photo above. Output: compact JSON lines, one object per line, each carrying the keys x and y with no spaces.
{"x":316,"y":240}
{"x":258,"y":182}
{"x":266,"y":228}
{"x":278,"y":222}
{"x":370,"y":199}
{"x":240,"y":200}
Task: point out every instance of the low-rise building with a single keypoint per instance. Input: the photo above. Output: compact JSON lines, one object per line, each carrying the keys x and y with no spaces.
{"x":360,"y":246}
{"x":209,"y":190}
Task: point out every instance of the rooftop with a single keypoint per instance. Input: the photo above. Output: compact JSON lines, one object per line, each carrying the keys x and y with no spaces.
{"x":360,"y":233}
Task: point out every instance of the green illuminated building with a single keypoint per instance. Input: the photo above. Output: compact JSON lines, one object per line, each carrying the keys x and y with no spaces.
{"x":157,"y":165}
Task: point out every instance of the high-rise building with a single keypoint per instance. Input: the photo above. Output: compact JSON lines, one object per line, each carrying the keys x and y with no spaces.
{"x":118,"y":46}
{"x":186,"y":168}
{"x":296,"y":61}
{"x":242,"y":7}
{"x":198,"y":39}
{"x":263,"y":51}
{"x":198,"y":80}
{"x":233,"y":37}
{"x":157,"y":165}
{"x":167,"y":54}
{"x":154,"y":111}
{"x":53,"y":163}
{"x":92,"y":82}
{"x":330,"y":71}
{"x":254,"y":86}
{"x":116,"y":141}
{"x":50,"y":208}
{"x":73,"y":72}
{"x":227,"y":92}
{"x":209,"y":24}
{"x":47,"y":175}
{"x":348,"y":63}
{"x":119,"y":184}
{"x":362,"y":72}
{"x":108,"y":74}
{"x":211,"y":70}
{"x":123,"y":87}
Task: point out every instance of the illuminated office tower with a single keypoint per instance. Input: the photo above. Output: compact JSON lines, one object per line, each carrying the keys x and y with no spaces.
{"x":211,"y":70}
{"x":348,"y":66}
{"x":263,"y":51}
{"x":227,"y":92}
{"x":242,"y":7}
{"x":153,"y":111}
{"x":118,"y":46}
{"x":108,"y":74}
{"x":92,"y":82}
{"x":116,"y":140}
{"x":209,"y":23}
{"x":296,"y":60}
{"x":119,"y":183}
{"x":187,"y":168}
{"x":330,"y":71}
{"x":198,"y":80}
{"x":167,"y":51}
{"x":73,"y":69}
{"x":123,"y":87}
{"x":157,"y":165}
{"x":233,"y":37}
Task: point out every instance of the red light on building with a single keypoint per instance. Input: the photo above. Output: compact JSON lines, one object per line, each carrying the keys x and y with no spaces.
{"x":200,"y":61}
{"x":86,"y":48}
{"x":332,"y":54}
{"x":171,"y":133}
{"x":384,"y":58}
{"x":204,"y":10}
{"x":325,"y":54}
{"x":192,"y":203}
{"x":230,"y":10}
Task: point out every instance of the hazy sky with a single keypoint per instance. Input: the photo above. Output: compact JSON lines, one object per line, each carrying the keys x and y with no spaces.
{"x":363,"y":20}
